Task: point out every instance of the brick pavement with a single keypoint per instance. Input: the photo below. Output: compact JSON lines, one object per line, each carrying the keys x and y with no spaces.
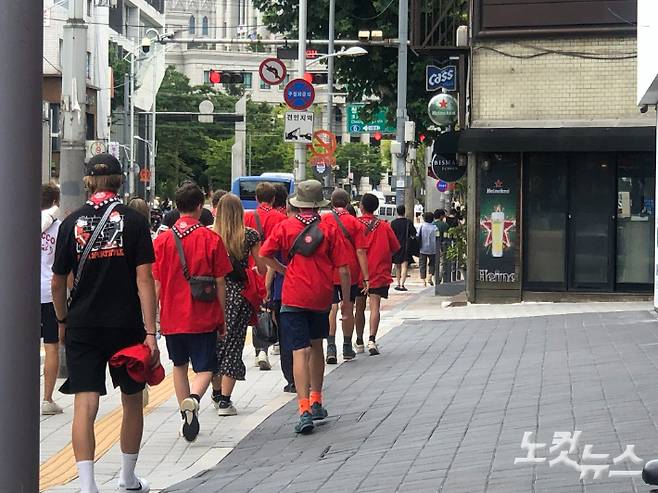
{"x":446,"y":405}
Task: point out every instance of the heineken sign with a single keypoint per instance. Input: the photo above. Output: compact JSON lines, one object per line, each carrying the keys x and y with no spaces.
{"x":443,"y":110}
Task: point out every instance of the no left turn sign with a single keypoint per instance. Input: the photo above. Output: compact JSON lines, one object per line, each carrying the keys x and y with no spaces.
{"x":272,"y":71}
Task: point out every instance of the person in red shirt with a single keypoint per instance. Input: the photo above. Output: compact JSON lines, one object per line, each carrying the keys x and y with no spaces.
{"x":381,"y":244}
{"x":263,"y":220}
{"x":353,"y":231}
{"x":190,"y":325}
{"x":308,"y":288}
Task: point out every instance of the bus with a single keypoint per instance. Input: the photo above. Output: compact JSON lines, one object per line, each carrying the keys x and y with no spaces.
{"x":245,"y":187}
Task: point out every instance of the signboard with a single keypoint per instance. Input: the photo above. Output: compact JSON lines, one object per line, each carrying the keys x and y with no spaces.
{"x":445,"y":167}
{"x":312,"y":52}
{"x":442,"y":110}
{"x":299,"y":94}
{"x":441,"y":78}
{"x":272,"y":71}
{"x":442,"y":186}
{"x":95,"y":147}
{"x":498,"y":236}
{"x":145,"y":175}
{"x":379,"y":122}
{"x":298,"y":127}
{"x":114,"y":148}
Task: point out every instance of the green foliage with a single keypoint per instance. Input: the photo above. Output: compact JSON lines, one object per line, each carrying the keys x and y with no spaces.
{"x":120,"y":68}
{"x":365,"y":161}
{"x":456,"y":252}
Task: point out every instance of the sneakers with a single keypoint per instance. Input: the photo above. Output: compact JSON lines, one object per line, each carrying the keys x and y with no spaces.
{"x":290,"y":388}
{"x":305,"y":424}
{"x":144,"y":487}
{"x":226,"y":408}
{"x":318,"y":412}
{"x":332,"y":357}
{"x":348,"y":352}
{"x":215,"y":400}
{"x":256,"y":362}
{"x":275,"y":350}
{"x":263,"y":361}
{"x":359,"y":348}
{"x":189,"y":410}
{"x":373,"y":349}
{"x":50,"y":408}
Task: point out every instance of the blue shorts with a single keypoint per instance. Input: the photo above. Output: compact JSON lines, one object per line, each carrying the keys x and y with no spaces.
{"x":299,"y":328}
{"x":200,"y":349}
{"x":338,"y":293}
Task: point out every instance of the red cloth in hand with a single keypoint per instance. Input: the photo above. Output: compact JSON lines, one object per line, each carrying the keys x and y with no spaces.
{"x":137,"y":360}
{"x":254,"y":292}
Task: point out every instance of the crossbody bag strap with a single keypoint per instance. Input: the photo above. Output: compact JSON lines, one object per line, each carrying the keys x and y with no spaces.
{"x":342,"y":226}
{"x":88,"y":248}
{"x":181,"y":255}
{"x":259,"y":225}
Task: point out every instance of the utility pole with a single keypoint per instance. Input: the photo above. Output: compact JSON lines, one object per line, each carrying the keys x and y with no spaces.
{"x":126,"y":128}
{"x":74,"y":108}
{"x":401,"y":181}
{"x":131,"y":165}
{"x":330,"y":80}
{"x":21,"y":49}
{"x":300,"y":149}
{"x":151,"y":194}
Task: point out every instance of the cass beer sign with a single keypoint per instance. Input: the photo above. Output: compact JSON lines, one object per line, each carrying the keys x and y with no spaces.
{"x":441,"y":78}
{"x":442,"y":110}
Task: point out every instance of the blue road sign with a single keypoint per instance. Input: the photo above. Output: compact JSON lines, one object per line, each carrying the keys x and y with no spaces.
{"x":442,"y":186}
{"x":299,"y":94}
{"x":437,"y":78}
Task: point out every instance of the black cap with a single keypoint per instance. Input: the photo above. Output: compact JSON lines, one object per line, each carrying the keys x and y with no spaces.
{"x":103,"y":164}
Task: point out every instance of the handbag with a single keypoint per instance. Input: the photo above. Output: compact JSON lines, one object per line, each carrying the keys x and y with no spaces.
{"x":203,"y":288}
{"x":413,"y":246}
{"x":238,"y":274}
{"x":308,"y":241}
{"x":265,"y":329}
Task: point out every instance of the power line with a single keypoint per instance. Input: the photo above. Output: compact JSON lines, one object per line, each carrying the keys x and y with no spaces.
{"x":375,"y":16}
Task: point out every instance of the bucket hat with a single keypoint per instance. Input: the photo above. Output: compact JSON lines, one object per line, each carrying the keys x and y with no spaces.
{"x":309,"y":196}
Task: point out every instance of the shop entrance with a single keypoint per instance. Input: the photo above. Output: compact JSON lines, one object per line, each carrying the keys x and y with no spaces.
{"x":588,"y":221}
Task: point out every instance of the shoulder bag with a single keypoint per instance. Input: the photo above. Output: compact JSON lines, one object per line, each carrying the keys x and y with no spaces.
{"x":204,"y":288}
{"x":308,"y":241}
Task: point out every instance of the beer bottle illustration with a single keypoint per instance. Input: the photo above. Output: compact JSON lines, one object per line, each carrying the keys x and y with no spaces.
{"x":497,"y":229}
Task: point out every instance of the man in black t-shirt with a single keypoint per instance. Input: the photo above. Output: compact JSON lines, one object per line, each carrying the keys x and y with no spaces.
{"x":108,"y":311}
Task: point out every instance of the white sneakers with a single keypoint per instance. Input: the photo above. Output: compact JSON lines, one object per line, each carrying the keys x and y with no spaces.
{"x":144,"y":487}
{"x":263,"y":361}
{"x":227,"y":409}
{"x":275,"y":349}
{"x":50,"y":408}
{"x":373,"y":348}
{"x":359,"y":348}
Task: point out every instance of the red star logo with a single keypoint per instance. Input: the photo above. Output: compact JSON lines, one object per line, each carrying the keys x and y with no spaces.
{"x":498,"y":184}
{"x":443,"y":103}
{"x":508,"y":225}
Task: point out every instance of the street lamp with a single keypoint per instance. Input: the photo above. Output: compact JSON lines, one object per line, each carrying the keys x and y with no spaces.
{"x":352,"y":51}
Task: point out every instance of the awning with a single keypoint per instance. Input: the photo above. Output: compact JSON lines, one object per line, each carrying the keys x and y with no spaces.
{"x":565,"y":139}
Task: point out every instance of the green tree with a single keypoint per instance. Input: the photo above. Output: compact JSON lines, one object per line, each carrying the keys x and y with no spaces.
{"x":363,"y":159}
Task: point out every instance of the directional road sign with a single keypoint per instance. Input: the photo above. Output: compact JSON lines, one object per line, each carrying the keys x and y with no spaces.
{"x":299,"y":94}
{"x":272,"y":71}
{"x":298,"y":127}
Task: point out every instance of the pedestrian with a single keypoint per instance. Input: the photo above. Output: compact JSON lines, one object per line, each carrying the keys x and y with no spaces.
{"x":191,"y":255}
{"x":353,"y":231}
{"x":206,"y":218}
{"x":382,"y":244}
{"x":314,"y":249}
{"x":405,"y":232}
{"x":452,"y":220}
{"x":427,"y":235}
{"x":280,"y":198}
{"x":242,"y":245}
{"x":49,"y":329}
{"x":107,"y":247}
{"x":263,"y":220}
{"x":442,"y":229}
{"x":214,"y":201}
{"x":280,"y":202}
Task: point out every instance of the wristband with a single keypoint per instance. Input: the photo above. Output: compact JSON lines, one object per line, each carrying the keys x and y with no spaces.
{"x":151,"y":334}
{"x":62,"y":321}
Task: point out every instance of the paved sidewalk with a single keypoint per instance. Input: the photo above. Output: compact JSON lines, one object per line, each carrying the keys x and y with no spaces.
{"x":447,"y":404}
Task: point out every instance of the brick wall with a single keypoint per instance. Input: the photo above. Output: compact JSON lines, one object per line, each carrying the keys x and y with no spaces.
{"x":553,"y":86}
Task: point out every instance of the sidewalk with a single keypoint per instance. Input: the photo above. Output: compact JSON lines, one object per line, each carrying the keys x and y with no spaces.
{"x":454,"y":396}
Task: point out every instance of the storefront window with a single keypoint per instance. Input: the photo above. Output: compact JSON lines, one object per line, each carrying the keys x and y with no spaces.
{"x":636,"y":209}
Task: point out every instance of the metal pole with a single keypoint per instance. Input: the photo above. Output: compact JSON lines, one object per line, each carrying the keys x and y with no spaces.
{"x":400,"y":165}
{"x":151,"y":194}
{"x":21,"y":45}
{"x":126,"y":128}
{"x":74,"y":76}
{"x":131,"y":165}
{"x":330,"y":80}
{"x":300,"y":149}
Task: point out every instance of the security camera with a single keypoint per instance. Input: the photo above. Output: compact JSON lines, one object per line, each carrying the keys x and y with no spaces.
{"x":146,"y":45}
{"x":644,"y":108}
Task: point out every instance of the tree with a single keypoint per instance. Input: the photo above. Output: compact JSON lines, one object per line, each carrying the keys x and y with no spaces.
{"x":363,"y":159}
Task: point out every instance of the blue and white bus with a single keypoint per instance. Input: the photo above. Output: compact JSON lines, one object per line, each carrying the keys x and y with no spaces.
{"x":245,"y":186}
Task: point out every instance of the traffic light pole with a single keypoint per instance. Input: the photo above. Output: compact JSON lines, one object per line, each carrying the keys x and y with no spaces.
{"x":21,"y":49}
{"x":300,"y":149}
{"x":74,"y":108}
{"x":401,"y":162}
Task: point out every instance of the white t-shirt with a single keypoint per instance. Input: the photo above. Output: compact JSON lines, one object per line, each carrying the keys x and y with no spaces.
{"x":48,"y":241}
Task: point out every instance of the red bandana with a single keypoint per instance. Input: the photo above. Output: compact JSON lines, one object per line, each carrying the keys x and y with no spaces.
{"x":100,"y":199}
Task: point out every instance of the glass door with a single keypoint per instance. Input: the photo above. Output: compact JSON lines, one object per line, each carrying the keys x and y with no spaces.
{"x":592,"y":216}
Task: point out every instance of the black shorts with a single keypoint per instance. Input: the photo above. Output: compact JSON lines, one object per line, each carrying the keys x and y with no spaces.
{"x":382,"y":292}
{"x":200,"y":349}
{"x":87,"y":352}
{"x":338,"y":293}
{"x":49,"y":325}
{"x":299,"y":328}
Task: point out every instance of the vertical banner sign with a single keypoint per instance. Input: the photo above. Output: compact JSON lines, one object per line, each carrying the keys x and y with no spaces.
{"x":498,"y":236}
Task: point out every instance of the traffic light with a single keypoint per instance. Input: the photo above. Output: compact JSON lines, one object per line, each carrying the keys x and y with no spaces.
{"x":316,"y":78}
{"x":220,"y":77}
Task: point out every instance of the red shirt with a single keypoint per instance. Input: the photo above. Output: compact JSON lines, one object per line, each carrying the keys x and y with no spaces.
{"x":206,"y":256}
{"x":358,"y":241}
{"x":269,"y":218}
{"x":308,"y":283}
{"x":382,"y":244}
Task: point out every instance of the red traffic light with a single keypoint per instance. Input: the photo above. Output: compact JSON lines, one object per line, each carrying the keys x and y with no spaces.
{"x":215,"y":77}
{"x":422,"y":137}
{"x":378,"y":136}
{"x":308,"y":77}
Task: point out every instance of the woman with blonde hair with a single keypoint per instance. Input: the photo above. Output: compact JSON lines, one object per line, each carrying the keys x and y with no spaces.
{"x":240,"y":242}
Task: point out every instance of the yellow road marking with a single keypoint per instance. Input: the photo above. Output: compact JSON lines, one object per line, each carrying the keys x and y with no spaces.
{"x":61,"y":469}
